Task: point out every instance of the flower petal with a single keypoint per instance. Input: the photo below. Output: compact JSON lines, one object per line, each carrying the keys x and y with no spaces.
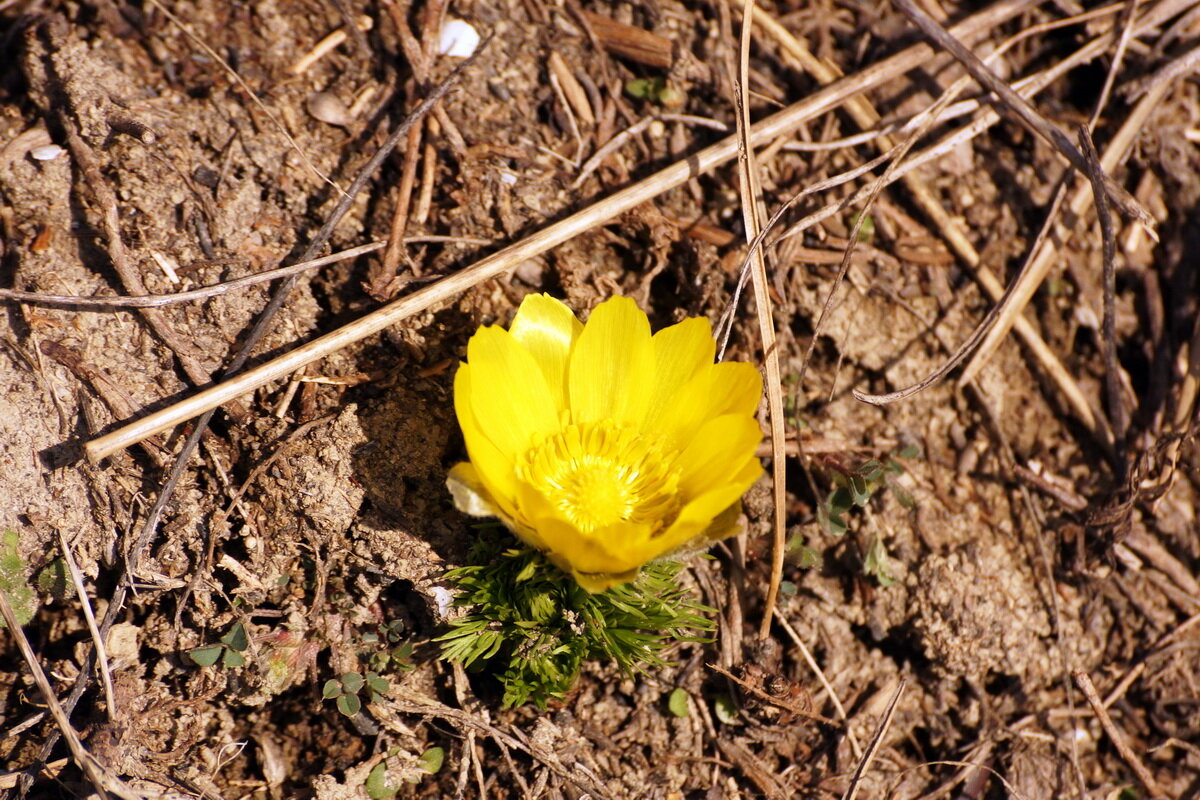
{"x":719,"y":451}
{"x":611,"y":374}
{"x":726,"y":388}
{"x":490,"y":468}
{"x":547,"y":329}
{"x":736,"y":388}
{"x":508,"y":393}
{"x":711,"y":516}
{"x":470,"y":495}
{"x":680,"y":352}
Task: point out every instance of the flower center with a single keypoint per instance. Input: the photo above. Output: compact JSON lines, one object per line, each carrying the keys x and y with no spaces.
{"x":602,"y":473}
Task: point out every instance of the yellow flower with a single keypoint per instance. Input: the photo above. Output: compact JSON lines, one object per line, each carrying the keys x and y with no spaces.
{"x":601,"y":445}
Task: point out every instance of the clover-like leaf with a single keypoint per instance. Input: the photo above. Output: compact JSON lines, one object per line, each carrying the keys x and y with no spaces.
{"x":206,"y":656}
{"x":236,"y":638}
{"x":349,"y":704}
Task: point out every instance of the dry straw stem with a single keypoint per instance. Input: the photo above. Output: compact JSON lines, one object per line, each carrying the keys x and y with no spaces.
{"x":855,"y":747}
{"x":97,"y":637}
{"x":1017,"y":104}
{"x":203,"y":293}
{"x":1034,"y":273}
{"x":956,"y":237}
{"x":507,"y":259}
{"x":752,"y":213}
{"x":1116,"y":737}
{"x":327,"y":46}
{"x":864,"y":763}
{"x":866,"y":116}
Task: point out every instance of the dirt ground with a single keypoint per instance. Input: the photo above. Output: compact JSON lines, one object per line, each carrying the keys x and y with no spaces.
{"x":1039,"y":545}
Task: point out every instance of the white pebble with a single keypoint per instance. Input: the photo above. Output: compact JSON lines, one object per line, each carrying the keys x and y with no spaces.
{"x":47,"y":152}
{"x":444,"y":599}
{"x":459,"y":39}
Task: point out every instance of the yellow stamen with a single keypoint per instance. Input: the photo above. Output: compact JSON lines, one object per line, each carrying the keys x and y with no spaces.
{"x":602,"y":473}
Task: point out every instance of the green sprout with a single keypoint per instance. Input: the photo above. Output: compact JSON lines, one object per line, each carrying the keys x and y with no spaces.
{"x":345,"y":691}
{"x":228,"y":652}
{"x":657,"y":90}
{"x":379,"y":787}
{"x":854,"y":488}
{"x":677,"y":703}
{"x":389,"y":653}
{"x":13,"y":582}
{"x":534,"y":626}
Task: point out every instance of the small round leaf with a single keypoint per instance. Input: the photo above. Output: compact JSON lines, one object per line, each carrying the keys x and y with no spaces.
{"x":352,"y":682}
{"x":349,"y":704}
{"x":431,"y":760}
{"x":677,"y":702}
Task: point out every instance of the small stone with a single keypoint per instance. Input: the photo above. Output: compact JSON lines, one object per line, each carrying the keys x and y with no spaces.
{"x":459,"y":39}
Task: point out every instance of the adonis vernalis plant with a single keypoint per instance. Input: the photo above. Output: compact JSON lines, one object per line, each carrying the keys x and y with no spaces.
{"x":600,"y":445}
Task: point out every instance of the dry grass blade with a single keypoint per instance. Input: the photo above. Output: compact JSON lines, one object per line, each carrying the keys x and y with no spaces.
{"x":97,"y":636}
{"x":1021,"y":107}
{"x":1116,"y":737}
{"x":555,"y":234}
{"x":752,"y":217}
{"x":855,"y":747}
{"x":1117,"y":410}
{"x":203,"y":293}
{"x":1042,"y":257}
{"x":864,"y":763}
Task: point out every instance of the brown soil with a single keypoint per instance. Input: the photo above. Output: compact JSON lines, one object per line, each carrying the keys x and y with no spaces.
{"x":1037,"y":557}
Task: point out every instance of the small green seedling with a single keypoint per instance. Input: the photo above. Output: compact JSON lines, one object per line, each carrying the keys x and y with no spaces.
{"x":854,"y":488}
{"x":379,"y":788}
{"x":13,"y":582}
{"x":431,"y":760}
{"x":725,"y":709}
{"x":377,"y":785}
{"x":54,"y":580}
{"x":228,"y":652}
{"x":657,"y":90}
{"x":345,"y":691}
{"x":392,"y":653}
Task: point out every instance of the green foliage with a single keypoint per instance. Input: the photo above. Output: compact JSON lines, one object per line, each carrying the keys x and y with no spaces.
{"x":228,"y":652}
{"x":13,"y":582}
{"x":432,"y":759}
{"x":866,"y":233}
{"x":428,"y":763}
{"x":534,"y":626}
{"x":390,"y":652}
{"x":346,"y":690}
{"x":854,"y":488}
{"x":725,"y":709}
{"x":677,"y":703}
{"x":377,"y":785}
{"x":657,"y":90}
{"x":54,"y":580}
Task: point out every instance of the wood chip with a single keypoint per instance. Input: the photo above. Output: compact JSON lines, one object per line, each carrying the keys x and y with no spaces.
{"x":630,"y":41}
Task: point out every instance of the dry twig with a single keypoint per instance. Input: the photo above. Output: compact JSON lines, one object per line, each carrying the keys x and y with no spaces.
{"x":1116,"y":737}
